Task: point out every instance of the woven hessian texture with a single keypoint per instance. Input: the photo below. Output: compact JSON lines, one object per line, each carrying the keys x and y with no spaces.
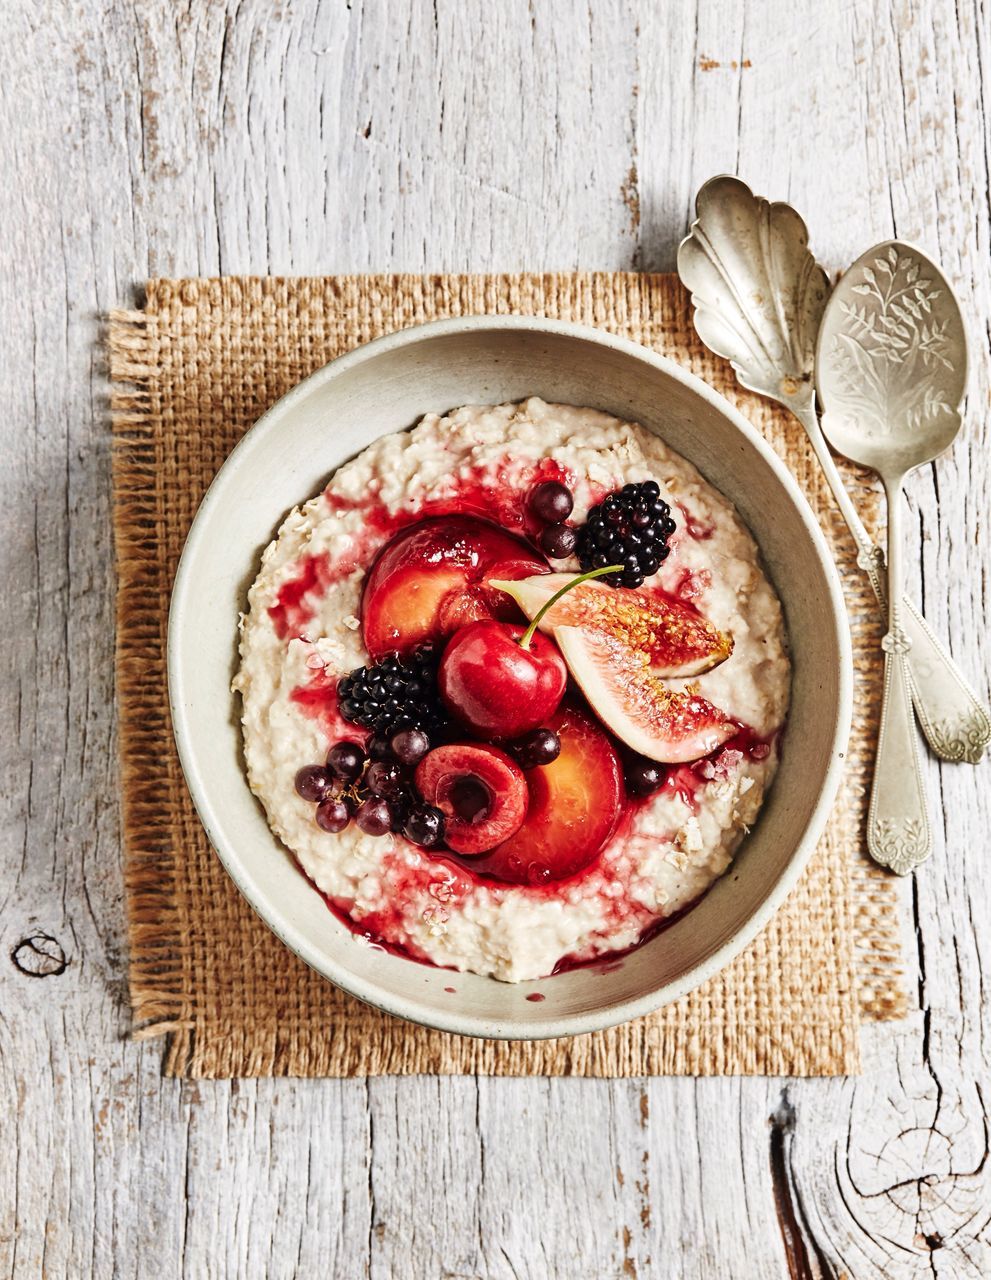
{"x":194,"y":369}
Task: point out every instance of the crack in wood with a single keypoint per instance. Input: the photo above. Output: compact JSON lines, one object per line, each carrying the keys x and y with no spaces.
{"x":792,"y":1221}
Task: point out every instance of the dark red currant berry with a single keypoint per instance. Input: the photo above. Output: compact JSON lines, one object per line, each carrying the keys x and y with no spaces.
{"x":551,"y":502}
{"x":540,"y":747}
{"x":409,"y":746}
{"x":346,"y":761}
{"x":424,"y":826}
{"x":383,"y":777}
{"x":313,"y":782}
{"x":557,"y":541}
{"x":373,"y":817}
{"x":643,"y":776}
{"x":333,"y":815}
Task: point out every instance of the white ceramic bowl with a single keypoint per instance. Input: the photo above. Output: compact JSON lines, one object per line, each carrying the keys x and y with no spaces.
{"x":387,"y":385}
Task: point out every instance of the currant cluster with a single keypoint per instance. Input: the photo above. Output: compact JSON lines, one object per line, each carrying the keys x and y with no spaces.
{"x":373,"y":787}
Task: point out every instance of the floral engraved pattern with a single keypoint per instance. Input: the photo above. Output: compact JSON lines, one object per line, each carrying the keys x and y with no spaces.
{"x":900,"y":844}
{"x":894,"y":351}
{"x":960,"y":742}
{"x":870,"y":557}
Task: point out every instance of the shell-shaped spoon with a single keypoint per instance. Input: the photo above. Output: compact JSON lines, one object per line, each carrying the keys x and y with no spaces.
{"x":891,"y":368}
{"x":758,"y":292}
{"x":759,"y":297}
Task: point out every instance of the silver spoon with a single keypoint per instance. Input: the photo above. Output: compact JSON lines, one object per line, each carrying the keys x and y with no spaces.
{"x":759,"y":296}
{"x":891,"y":368}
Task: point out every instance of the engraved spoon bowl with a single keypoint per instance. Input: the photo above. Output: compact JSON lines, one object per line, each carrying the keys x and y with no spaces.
{"x":891,"y":366}
{"x":891,"y":369}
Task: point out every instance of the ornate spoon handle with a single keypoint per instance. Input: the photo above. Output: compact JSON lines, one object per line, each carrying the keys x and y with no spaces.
{"x":898,"y":833}
{"x":956,"y":724}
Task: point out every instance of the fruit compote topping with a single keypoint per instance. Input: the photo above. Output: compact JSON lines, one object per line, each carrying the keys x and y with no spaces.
{"x":478,"y":752}
{"x":505,"y":765}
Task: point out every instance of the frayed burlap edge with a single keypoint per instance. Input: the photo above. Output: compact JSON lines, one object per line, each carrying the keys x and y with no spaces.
{"x":163,"y":1000}
{"x":644,"y":1047}
{"x":158,"y":989}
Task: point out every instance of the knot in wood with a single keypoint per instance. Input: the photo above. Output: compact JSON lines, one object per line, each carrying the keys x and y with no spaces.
{"x":40,"y":956}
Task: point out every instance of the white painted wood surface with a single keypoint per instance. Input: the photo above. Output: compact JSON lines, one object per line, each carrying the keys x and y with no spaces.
{"x":305,"y":137}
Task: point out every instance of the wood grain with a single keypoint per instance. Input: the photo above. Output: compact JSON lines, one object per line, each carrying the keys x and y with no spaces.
{"x":309,"y":138}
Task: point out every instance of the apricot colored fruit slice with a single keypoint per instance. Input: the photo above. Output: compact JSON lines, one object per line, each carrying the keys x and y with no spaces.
{"x":432,"y":577}
{"x":575,"y":803}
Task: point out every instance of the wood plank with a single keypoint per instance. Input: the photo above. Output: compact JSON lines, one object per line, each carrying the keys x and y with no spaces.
{"x":231,"y":137}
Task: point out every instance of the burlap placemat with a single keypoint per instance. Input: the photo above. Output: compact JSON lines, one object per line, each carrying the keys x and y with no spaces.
{"x":195,"y":368}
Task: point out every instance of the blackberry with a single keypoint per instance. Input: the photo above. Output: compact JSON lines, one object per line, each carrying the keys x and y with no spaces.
{"x":630,"y":527}
{"x":394,"y":694}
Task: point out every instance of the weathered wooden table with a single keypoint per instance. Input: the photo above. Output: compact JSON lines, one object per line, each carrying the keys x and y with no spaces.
{"x":242,"y":136}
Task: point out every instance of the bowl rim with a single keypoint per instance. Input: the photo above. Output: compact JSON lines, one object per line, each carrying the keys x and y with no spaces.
{"x":254,"y":891}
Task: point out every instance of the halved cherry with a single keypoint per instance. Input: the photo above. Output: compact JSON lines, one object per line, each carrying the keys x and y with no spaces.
{"x":481,"y":792}
{"x":575,"y":803}
{"x":432,"y":578}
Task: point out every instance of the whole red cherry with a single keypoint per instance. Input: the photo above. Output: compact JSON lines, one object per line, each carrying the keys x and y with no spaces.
{"x":498,"y":684}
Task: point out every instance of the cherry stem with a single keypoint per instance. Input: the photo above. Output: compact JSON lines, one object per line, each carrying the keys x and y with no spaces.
{"x":527,"y":636}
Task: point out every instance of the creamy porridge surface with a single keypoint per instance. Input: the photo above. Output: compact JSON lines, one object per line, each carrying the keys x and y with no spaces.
{"x":302,"y":631}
